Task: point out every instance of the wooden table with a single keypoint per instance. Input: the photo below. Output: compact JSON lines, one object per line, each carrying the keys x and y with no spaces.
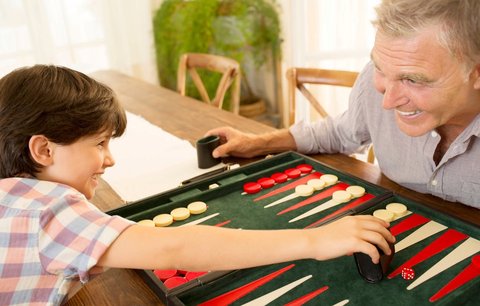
{"x":190,"y":119}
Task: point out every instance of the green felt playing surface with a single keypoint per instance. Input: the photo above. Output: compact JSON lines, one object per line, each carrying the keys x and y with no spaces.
{"x":340,"y":274}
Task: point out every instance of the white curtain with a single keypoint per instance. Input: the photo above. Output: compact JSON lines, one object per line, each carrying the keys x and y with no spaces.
{"x":329,"y":34}
{"x":86,"y":35}
{"x":90,"y":35}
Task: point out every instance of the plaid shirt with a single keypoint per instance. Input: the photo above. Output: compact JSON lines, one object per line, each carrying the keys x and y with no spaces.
{"x":51,"y":238}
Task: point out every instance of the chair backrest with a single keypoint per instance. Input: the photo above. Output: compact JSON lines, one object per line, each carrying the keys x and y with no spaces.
{"x":298,"y":77}
{"x":229,"y":68}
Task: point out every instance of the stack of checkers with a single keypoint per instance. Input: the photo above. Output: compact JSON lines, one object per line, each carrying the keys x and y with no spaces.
{"x":343,"y":196}
{"x":177,"y":214}
{"x":174,"y":278}
{"x":306,"y":190}
{"x":391,"y":212}
{"x":276,"y":178}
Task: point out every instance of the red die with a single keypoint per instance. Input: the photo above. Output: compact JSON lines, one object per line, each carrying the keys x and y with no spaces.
{"x":408,"y":273}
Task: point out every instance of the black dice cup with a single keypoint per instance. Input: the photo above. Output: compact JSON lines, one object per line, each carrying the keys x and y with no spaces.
{"x":205,"y":147}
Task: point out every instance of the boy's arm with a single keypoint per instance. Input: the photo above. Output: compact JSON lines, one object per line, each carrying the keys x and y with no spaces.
{"x":206,"y":248}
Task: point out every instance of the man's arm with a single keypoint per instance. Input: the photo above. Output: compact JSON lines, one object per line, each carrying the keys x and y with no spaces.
{"x":240,"y":144}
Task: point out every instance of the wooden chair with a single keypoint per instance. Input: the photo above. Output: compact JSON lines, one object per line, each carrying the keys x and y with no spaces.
{"x":229,"y":68}
{"x":298,"y":77}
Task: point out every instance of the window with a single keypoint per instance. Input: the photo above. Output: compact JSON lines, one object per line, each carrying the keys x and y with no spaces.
{"x":85,"y":35}
{"x":331,"y":35}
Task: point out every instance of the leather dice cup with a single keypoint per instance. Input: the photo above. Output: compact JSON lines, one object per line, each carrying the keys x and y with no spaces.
{"x":205,"y":147}
{"x":373,"y":273}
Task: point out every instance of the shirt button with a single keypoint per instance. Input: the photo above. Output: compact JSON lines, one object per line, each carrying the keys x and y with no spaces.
{"x":434,"y":182}
{"x":434,"y":134}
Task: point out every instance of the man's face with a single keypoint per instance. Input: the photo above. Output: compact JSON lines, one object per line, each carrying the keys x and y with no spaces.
{"x":423,"y":83}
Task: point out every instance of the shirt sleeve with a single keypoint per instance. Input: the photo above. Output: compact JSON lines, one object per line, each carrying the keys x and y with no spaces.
{"x":74,"y":235}
{"x":348,"y":133}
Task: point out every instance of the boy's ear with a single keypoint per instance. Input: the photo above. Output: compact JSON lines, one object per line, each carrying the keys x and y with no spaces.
{"x":41,"y":149}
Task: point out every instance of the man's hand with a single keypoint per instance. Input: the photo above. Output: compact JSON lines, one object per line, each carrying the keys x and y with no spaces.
{"x":234,"y":142}
{"x":246,"y":145}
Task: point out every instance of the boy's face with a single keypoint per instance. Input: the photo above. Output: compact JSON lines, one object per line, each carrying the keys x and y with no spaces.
{"x":80,"y":164}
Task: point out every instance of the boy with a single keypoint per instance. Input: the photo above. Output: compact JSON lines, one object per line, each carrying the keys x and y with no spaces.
{"x":55,"y":129}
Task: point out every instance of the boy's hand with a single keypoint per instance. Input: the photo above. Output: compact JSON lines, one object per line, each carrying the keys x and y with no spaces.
{"x":353,"y":234}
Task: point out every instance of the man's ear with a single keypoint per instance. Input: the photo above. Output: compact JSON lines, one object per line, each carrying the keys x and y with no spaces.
{"x":476,"y":75}
{"x":41,"y":149}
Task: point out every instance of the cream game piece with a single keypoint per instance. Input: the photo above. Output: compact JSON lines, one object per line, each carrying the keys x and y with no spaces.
{"x":341,"y":196}
{"x":146,"y":222}
{"x":356,"y":191}
{"x":304,"y":190}
{"x":384,"y":215}
{"x":398,"y":209}
{"x":300,"y":191}
{"x":180,"y":213}
{"x":197,"y":207}
{"x":163,"y":220}
{"x":317,"y":184}
{"x":329,"y":179}
{"x":213,"y":186}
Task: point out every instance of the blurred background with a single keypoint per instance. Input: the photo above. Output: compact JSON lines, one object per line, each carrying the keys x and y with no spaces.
{"x":137,"y":38}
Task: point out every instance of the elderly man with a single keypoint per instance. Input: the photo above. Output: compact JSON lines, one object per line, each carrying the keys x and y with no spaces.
{"x":417,"y":101}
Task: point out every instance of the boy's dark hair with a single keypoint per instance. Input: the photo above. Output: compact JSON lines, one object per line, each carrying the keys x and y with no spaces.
{"x":62,"y":104}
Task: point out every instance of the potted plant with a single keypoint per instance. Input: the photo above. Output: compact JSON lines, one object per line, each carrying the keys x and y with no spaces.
{"x":245,"y":30}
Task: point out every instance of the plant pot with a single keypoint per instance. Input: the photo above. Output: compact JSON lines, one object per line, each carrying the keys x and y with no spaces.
{"x":253,"y":109}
